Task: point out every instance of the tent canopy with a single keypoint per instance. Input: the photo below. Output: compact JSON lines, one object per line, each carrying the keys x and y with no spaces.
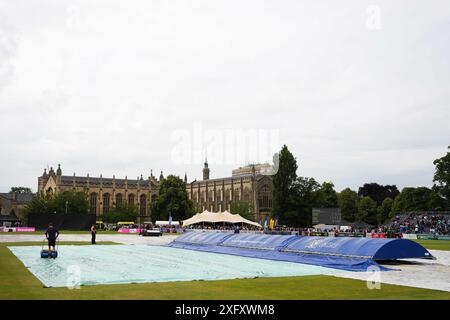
{"x":216,"y":217}
{"x":166,"y":223}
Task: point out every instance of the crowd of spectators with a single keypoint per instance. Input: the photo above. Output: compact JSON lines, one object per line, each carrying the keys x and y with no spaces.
{"x":419,"y":224}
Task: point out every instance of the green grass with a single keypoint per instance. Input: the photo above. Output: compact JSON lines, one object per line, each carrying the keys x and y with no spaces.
{"x":435,"y":244}
{"x":16,"y":282}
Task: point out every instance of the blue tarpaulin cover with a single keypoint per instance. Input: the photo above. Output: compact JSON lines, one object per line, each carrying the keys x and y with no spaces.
{"x":102,"y":264}
{"x":354,"y":254}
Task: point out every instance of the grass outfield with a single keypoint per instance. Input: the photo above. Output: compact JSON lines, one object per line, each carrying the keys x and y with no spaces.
{"x":435,"y":244}
{"x":16,"y":282}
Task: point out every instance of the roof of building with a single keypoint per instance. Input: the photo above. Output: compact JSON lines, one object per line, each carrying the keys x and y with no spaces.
{"x":105,"y":181}
{"x":10,"y":217}
{"x":237,"y":179}
{"x":260,"y":168}
{"x":19,"y":197}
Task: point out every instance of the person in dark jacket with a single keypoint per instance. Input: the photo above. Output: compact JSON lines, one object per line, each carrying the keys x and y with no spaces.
{"x":93,"y":233}
{"x":51,"y":234}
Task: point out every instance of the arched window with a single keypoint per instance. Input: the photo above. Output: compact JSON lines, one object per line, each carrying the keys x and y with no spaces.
{"x":143,"y":204}
{"x":93,"y":203}
{"x":106,"y":202}
{"x":210,"y":196}
{"x":246,"y":194}
{"x":265,"y":198}
{"x":236,"y":194}
{"x":195,"y":197}
{"x":218,"y":195}
{"x":131,"y":199}
{"x":202,"y":196}
{"x":228,"y":195}
{"x":119,"y":199}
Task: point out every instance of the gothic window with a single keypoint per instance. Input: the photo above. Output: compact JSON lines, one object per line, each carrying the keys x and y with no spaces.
{"x":131,"y":199}
{"x":236,"y":194}
{"x":229,"y":195}
{"x":106,"y":199}
{"x":93,"y":203}
{"x":195,"y":197}
{"x":143,"y":204}
{"x":119,"y":199}
{"x":246,"y":194}
{"x":210,"y":196}
{"x":218,"y":196}
{"x":202,"y":196}
{"x":264,"y":197}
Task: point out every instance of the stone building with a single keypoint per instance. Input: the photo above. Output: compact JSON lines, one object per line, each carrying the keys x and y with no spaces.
{"x":249,"y":183}
{"x":103,"y":193}
{"x":12,"y":205}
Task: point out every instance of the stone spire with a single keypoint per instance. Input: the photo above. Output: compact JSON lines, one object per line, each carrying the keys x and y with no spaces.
{"x":206,"y":170}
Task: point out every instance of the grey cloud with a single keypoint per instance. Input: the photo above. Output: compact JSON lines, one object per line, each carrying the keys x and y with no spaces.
{"x":105,"y":94}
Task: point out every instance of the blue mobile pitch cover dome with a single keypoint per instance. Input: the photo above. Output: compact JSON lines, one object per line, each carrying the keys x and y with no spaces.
{"x":355,"y":254}
{"x":376,"y":249}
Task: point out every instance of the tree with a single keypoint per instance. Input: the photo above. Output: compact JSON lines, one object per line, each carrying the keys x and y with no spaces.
{"x":384,"y":210}
{"x":441,"y":178}
{"x":20,"y":190}
{"x":378,"y":192}
{"x":242,"y":208}
{"x":71,"y":202}
{"x":76,"y":202}
{"x":437,"y":202}
{"x":306,"y":190}
{"x":367,"y":210}
{"x":413,"y":199}
{"x":41,"y":203}
{"x":173,"y":199}
{"x":327,"y":196}
{"x":122,"y":212}
{"x":284,"y":192}
{"x":348,"y":202}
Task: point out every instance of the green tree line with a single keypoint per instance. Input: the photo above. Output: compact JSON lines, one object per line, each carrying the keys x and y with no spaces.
{"x":294,"y":197}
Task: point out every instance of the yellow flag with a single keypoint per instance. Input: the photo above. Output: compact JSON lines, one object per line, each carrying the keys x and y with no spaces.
{"x":271,"y":223}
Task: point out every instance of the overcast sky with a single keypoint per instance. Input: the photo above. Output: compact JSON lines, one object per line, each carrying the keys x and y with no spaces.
{"x":358,"y":90}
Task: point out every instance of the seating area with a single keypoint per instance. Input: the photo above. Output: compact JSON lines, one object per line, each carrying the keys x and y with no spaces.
{"x":419,"y":223}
